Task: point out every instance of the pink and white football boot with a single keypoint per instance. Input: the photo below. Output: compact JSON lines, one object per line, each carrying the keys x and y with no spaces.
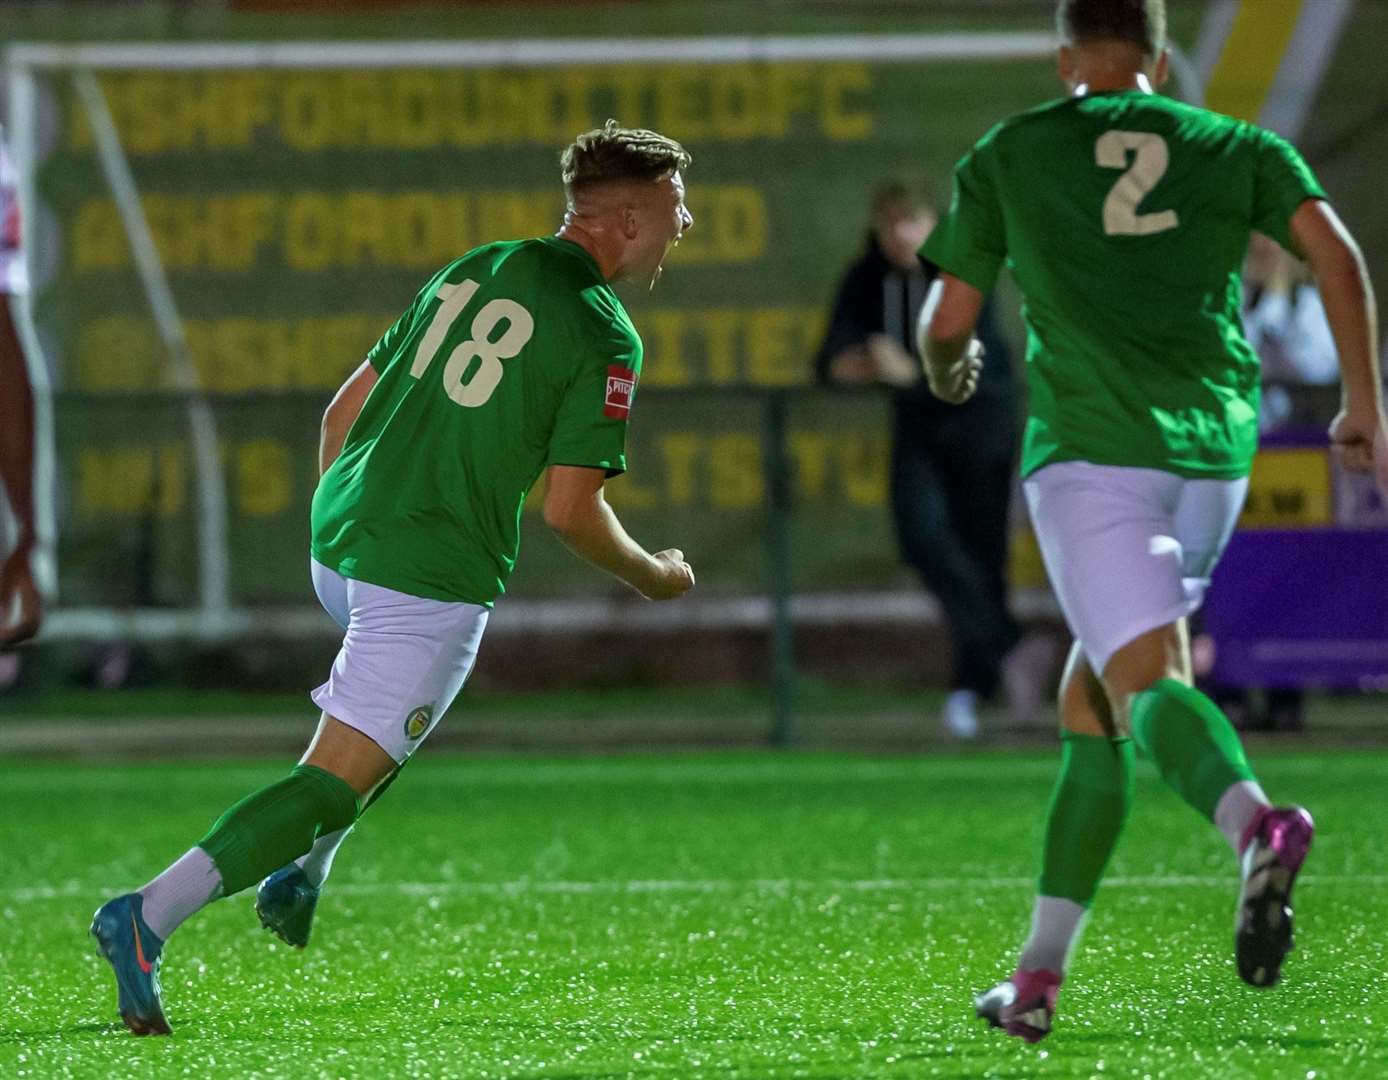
{"x":1274,"y":847}
{"x":1023,"y":1005}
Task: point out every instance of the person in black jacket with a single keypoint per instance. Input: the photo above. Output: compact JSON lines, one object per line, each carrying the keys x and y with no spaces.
{"x":951,"y":476}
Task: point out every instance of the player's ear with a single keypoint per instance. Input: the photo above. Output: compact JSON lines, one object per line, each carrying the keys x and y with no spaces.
{"x":631,"y":223}
{"x":1065,"y":65}
{"x":1163,"y":69}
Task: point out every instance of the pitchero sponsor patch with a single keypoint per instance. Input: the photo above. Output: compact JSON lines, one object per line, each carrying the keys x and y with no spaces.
{"x":621,"y":385}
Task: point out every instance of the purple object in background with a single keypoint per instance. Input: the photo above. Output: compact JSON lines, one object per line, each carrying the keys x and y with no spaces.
{"x":1306,"y":607}
{"x":1303,"y":608}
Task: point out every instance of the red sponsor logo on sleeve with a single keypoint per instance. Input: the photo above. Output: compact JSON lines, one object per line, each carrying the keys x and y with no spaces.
{"x":621,"y":385}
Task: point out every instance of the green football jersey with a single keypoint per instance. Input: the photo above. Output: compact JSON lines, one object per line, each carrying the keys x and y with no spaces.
{"x":515,"y":357}
{"x":1124,"y":218}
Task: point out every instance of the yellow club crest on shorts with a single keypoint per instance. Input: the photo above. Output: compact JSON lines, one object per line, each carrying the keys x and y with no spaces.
{"x":417,"y":723}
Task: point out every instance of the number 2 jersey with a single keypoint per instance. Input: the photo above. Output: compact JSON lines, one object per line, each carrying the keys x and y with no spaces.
{"x":515,"y":357}
{"x":1124,"y":218}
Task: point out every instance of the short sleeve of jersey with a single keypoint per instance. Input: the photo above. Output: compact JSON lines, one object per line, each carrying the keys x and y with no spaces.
{"x":381,"y":354}
{"x":970,"y":242}
{"x":590,"y":428}
{"x":1282,"y":182}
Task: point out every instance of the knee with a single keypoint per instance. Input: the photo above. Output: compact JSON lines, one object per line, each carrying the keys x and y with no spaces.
{"x":918,"y":540}
{"x":1143,"y":662}
{"x":350,"y":756}
{"x":1084,"y":710}
{"x":1122,"y":693}
{"x":915,"y":555}
{"x":1087,"y":722}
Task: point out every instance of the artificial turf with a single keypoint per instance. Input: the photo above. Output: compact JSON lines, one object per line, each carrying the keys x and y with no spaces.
{"x":713,"y":915}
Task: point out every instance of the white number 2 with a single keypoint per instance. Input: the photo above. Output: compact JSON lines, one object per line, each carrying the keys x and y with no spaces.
{"x":1149,"y":166}
{"x":465,"y":383}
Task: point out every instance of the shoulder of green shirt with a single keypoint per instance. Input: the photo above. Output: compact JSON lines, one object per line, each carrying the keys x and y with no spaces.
{"x":982,"y":155}
{"x":580,"y":275}
{"x":607,"y":317}
{"x":999,"y":131}
{"x":570,"y":255}
{"x":1161,"y":102}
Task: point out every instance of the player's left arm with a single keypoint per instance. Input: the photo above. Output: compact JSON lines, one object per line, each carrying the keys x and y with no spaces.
{"x":578,"y":513}
{"x":342,"y":413}
{"x":945,"y":336}
{"x":20,"y":608}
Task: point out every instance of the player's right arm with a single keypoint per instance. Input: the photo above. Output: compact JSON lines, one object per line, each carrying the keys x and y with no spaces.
{"x":577,"y":511}
{"x":945,"y":337}
{"x":1348,"y":296}
{"x":969,"y":246}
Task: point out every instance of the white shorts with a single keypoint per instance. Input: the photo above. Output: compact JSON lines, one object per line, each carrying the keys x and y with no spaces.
{"x":402,"y":663}
{"x":1128,"y":550}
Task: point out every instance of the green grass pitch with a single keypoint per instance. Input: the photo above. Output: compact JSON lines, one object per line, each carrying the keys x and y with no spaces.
{"x":743,"y":915}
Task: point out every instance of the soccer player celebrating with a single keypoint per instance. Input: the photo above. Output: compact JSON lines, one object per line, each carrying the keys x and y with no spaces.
{"x":515,"y":360}
{"x":1124,"y":217}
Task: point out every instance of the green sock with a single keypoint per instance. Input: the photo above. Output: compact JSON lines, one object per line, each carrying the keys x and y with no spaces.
{"x":277,"y":824}
{"x":1191,"y":742}
{"x":318,"y":863}
{"x":1093,"y":795}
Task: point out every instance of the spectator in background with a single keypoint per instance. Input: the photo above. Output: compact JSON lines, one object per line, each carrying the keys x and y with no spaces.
{"x":20,"y":607}
{"x":952,"y":466}
{"x":1284,"y":320}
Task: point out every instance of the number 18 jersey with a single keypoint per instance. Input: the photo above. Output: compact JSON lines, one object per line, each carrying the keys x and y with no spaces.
{"x":515,"y":357}
{"x":1124,"y":218}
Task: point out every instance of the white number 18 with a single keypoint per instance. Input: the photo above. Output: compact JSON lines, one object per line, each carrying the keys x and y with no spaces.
{"x":466,"y":385}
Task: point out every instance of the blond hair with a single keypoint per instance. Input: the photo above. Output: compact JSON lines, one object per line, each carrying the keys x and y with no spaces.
{"x":614,"y":153}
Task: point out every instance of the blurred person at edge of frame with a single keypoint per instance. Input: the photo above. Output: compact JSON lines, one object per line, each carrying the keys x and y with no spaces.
{"x":1284,"y":320}
{"x":952,"y":466}
{"x":21,"y":609}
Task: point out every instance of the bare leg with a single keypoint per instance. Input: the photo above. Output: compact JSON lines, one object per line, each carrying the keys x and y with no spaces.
{"x":1163,"y":653}
{"x":1084,"y":706}
{"x":1183,"y":731}
{"x":279,"y":822}
{"x":349,"y":755}
{"x":317,"y":862}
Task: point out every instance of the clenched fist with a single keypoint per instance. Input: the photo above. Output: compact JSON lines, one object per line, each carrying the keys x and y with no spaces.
{"x":957,"y":382}
{"x":673,"y":577}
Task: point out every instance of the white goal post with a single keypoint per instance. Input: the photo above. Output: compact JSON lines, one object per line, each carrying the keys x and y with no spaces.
{"x":215,"y":617}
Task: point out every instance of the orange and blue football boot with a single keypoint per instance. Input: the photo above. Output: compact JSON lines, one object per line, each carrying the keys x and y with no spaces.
{"x":134,"y":952}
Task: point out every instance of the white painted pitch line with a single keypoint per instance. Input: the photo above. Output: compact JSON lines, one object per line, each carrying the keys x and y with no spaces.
{"x":29,"y":894}
{"x":482,"y":774}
